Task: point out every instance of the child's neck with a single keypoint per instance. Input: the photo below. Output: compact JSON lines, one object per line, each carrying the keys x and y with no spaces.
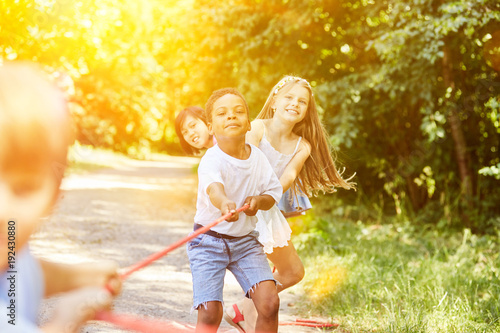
{"x":210,"y":142}
{"x":235,"y":147}
{"x":280,"y":129}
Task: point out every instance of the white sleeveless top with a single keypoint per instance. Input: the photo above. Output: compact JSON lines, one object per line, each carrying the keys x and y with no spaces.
{"x":278,"y":160}
{"x":272,"y":226}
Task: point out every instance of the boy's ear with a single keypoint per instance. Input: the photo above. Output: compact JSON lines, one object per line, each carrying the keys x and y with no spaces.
{"x":210,"y":130}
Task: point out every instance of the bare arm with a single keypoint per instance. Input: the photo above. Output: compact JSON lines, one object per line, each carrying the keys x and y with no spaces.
{"x":84,"y":287}
{"x":256,"y":132}
{"x":218,"y":198}
{"x":73,"y":309}
{"x":258,"y":202}
{"x":293,"y":168}
{"x":60,"y":278}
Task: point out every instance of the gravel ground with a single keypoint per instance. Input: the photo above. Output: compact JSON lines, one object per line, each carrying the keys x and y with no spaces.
{"x":125,"y":213}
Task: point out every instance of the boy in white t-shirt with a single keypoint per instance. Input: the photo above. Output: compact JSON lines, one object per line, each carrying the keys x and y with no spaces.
{"x":232,"y":174}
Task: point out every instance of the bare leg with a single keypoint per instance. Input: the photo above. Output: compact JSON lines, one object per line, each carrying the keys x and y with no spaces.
{"x":267,"y":303}
{"x":247,"y":308}
{"x":289,"y":267}
{"x":209,"y":317}
{"x":289,"y":272}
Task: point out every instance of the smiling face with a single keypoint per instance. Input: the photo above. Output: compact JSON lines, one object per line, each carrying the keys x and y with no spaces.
{"x":229,"y":117}
{"x":291,"y":105}
{"x":195,"y":132}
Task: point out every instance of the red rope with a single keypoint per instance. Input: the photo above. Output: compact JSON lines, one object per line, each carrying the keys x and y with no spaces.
{"x":147,"y":325}
{"x":158,"y":255}
{"x":138,"y":324}
{"x":308,"y":323}
{"x":144,"y":325}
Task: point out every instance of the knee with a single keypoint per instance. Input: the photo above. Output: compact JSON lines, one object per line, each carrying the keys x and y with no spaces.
{"x":271,"y":307}
{"x":210,"y":322}
{"x":210,"y":314}
{"x":299,"y":273}
{"x":296,"y":274}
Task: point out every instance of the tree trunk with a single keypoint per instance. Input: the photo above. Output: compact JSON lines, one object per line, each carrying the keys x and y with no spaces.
{"x":457,"y":132}
{"x":417,"y":194}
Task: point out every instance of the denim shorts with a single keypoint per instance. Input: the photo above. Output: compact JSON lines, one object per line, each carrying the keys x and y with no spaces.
{"x":209,"y":257}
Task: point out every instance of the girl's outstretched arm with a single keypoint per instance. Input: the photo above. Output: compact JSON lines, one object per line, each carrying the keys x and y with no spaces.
{"x":256,"y":132}
{"x":293,"y":168}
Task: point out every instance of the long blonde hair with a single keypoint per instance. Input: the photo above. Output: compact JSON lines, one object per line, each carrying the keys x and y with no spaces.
{"x":319,"y":172}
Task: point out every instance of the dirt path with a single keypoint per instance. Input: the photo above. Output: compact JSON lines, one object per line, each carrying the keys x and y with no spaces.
{"x":124,"y":214}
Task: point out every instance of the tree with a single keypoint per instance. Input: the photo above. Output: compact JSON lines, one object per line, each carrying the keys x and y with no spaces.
{"x":403,"y":86}
{"x":408,"y":90}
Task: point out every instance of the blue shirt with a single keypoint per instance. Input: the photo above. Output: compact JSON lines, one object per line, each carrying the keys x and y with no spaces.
{"x":26,"y":288}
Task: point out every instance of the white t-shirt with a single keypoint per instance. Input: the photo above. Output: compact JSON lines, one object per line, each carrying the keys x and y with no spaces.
{"x":241,"y":179}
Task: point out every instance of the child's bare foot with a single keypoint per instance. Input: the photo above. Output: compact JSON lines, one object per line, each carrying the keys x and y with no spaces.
{"x":234,"y":317}
{"x":242,"y":315}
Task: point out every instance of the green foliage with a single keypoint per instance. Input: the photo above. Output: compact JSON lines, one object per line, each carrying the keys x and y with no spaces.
{"x":379,"y":75}
{"x":402,"y":278}
{"x":389,"y":77}
{"x":493,"y":171}
{"x":131,"y":68}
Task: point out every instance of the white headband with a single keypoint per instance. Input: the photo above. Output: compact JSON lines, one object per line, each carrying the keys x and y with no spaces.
{"x":287,"y":79}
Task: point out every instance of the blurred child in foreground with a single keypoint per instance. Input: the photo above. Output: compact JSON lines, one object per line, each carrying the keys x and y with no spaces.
{"x":34,"y":139}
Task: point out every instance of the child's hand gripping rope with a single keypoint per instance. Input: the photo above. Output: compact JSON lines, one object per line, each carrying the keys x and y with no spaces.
{"x":158,"y":255}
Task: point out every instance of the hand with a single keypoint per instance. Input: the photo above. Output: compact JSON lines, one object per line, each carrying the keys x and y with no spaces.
{"x":100,"y":274}
{"x":229,"y":206}
{"x":61,"y":278}
{"x":253,"y":203}
{"x":77,"y":307}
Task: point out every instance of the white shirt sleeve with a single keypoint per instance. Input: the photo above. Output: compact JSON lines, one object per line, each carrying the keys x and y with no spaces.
{"x":209,"y":172}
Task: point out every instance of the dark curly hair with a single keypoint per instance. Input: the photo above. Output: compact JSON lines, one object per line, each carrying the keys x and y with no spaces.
{"x":218,"y":94}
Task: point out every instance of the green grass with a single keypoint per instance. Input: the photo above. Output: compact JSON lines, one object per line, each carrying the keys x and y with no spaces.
{"x":400,"y":278}
{"x":82,"y":167}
